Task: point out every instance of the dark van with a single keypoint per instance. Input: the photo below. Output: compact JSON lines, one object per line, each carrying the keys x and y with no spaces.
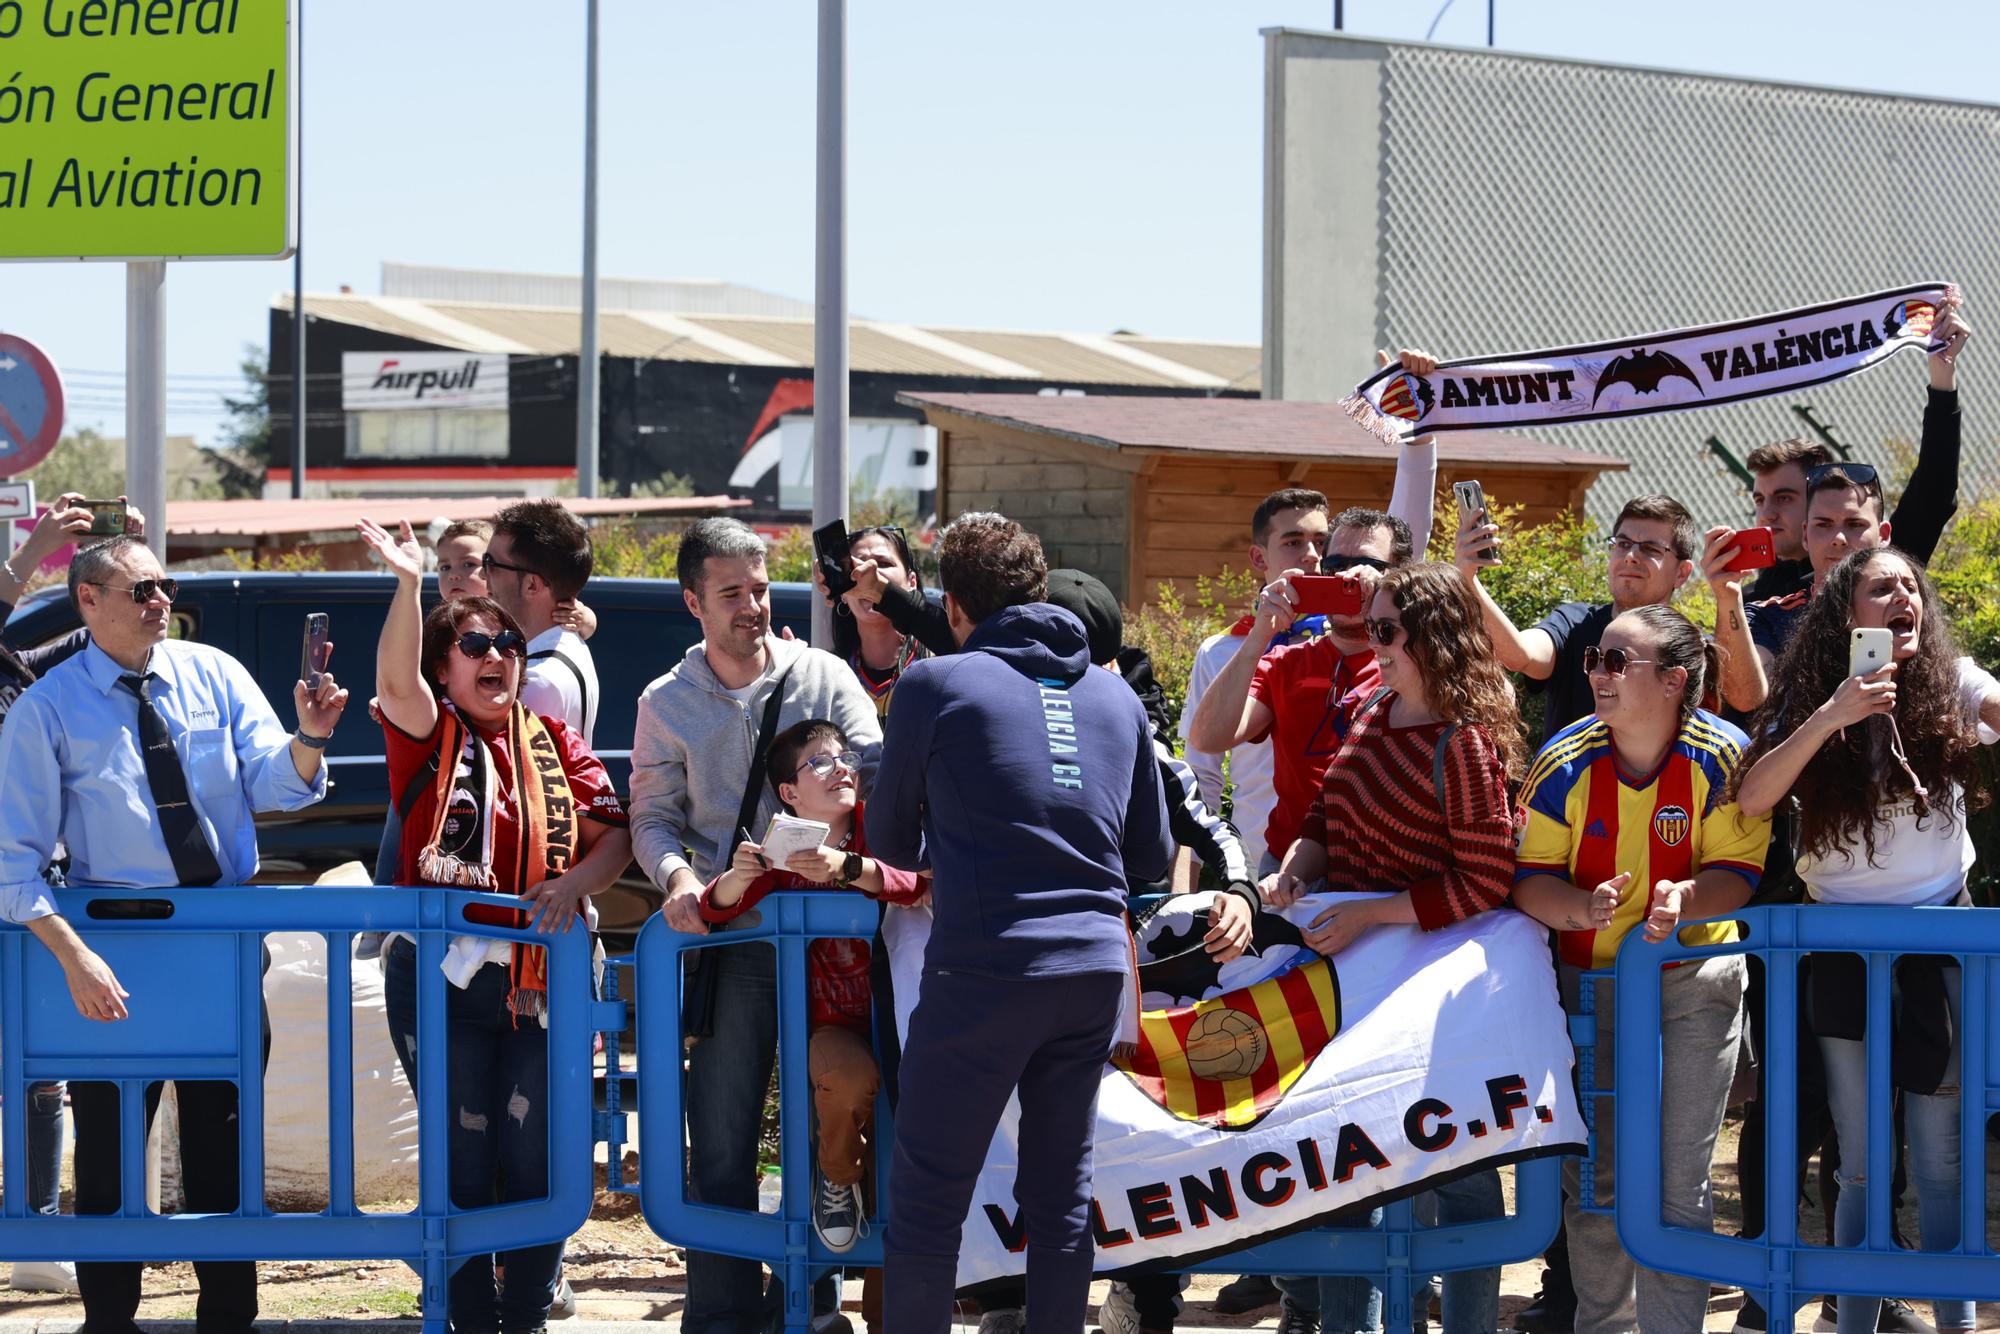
{"x":643,"y":628}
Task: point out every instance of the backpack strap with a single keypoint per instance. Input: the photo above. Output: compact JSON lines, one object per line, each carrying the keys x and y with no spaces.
{"x":582,"y":684}
{"x":1437,"y":752}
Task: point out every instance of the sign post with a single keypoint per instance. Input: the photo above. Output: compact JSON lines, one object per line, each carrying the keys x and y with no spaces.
{"x":146,"y":133}
{"x":17,"y":502}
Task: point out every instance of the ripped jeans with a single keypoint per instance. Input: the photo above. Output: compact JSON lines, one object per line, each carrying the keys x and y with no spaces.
{"x":1931,"y":1122}
{"x":498,"y":1077}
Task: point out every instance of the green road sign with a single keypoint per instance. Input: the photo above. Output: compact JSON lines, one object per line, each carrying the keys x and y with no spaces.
{"x":145,"y":129}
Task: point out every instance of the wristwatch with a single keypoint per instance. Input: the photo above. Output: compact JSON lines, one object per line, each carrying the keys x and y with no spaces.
{"x":850,"y":868}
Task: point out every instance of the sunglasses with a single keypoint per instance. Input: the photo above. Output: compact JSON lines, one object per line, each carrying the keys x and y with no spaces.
{"x":142,"y":592}
{"x":1858,"y":473}
{"x":1612,"y":661}
{"x":1342,"y":564}
{"x":823,"y":764}
{"x":489,"y":565}
{"x":474,"y":644}
{"x":1383,"y":632}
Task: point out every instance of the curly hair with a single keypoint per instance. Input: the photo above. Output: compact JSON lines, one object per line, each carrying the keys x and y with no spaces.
{"x":1447,"y":641}
{"x":1834,"y":810}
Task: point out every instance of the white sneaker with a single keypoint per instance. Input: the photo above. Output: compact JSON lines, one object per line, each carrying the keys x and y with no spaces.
{"x":44,"y":1276}
{"x":1007,"y":1320}
{"x":1117,"y":1313}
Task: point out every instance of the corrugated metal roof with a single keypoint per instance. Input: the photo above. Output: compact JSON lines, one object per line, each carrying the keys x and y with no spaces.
{"x":1153,"y":363}
{"x":563,"y":291}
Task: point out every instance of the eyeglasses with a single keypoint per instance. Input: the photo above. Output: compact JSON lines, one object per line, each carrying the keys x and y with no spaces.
{"x":142,"y":591}
{"x":1858,"y":473}
{"x":1611,"y":661}
{"x":474,"y":644}
{"x":822,"y":765}
{"x":1625,"y":546}
{"x":489,"y":565}
{"x":1383,"y":632}
{"x":1342,"y":564}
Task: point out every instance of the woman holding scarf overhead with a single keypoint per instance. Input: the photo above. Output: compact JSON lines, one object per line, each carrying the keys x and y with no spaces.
{"x":1882,"y":768}
{"x":483,"y":814}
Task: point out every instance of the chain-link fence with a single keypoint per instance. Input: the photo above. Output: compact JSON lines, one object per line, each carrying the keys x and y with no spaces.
{"x":1530,"y":202}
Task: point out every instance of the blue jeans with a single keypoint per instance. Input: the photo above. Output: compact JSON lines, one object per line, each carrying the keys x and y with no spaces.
{"x":1931,"y":1123}
{"x":1344,"y":1304}
{"x":45,"y":1145}
{"x":498,"y":1076}
{"x":728,"y":1074}
{"x":1471,"y":1296}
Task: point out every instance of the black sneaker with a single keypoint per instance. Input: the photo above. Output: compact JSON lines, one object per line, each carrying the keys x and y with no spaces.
{"x":1546,"y":1314}
{"x":1897,"y":1317}
{"x":1292,"y":1320}
{"x":836,"y":1214}
{"x":1241,"y":1296}
{"x":1750,"y":1318}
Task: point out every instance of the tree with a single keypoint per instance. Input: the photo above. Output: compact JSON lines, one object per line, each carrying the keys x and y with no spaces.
{"x":246,"y":456}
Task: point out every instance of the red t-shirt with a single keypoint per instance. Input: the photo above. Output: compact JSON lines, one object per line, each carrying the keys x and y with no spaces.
{"x":589,"y":787}
{"x":837,"y":988}
{"x":1311,"y":691}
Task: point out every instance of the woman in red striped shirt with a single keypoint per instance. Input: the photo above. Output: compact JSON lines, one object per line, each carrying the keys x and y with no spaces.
{"x":1415,"y":821}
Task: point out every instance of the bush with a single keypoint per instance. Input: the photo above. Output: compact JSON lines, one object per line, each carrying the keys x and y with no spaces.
{"x":1171,"y":630}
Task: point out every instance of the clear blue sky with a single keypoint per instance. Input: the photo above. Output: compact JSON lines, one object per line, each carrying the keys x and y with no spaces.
{"x":1085,"y":165}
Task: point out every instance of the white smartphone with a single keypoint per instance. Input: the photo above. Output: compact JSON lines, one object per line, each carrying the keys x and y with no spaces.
{"x":1869,"y":650}
{"x":1471,"y":504}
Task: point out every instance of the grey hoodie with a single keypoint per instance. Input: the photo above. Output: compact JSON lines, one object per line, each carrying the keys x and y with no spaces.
{"x":692,"y":748}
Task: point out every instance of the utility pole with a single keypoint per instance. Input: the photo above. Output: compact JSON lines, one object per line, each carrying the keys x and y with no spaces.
{"x":298,"y":268}
{"x":830,"y":290}
{"x":586,"y":371}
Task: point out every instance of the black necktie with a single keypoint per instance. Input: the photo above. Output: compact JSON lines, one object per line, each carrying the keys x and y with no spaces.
{"x":194,"y":860}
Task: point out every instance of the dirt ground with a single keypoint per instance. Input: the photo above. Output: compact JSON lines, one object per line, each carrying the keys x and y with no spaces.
{"x":621,"y":1271}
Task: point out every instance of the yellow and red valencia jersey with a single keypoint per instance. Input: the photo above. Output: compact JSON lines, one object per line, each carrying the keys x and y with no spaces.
{"x":1588,"y":820}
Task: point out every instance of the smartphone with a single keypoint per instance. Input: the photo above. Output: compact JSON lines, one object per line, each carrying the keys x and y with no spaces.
{"x":312,"y":660}
{"x":107,"y":517}
{"x":1754,"y":550}
{"x":1472,"y":504}
{"x":830,"y":555}
{"x":1869,"y":650}
{"x":1327,"y":594}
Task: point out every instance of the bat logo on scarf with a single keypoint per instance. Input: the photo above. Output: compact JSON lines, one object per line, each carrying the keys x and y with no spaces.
{"x":1643,"y":370}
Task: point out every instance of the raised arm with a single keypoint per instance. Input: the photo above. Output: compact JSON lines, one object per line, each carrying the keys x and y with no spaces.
{"x":1744,"y":683}
{"x":1413,"y":498}
{"x":1531,"y":652}
{"x":1931,"y":497}
{"x":1228,"y":713}
{"x":399,"y":677}
{"x":1770,"y":779}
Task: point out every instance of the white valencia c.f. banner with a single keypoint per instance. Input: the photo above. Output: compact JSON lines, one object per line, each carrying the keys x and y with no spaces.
{"x":1310,"y":1086}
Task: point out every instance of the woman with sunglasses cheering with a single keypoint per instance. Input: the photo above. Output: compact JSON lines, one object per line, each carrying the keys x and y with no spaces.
{"x":1630,"y":825}
{"x":1414,"y":825}
{"x":1883,"y":770}
{"x":480,"y":813}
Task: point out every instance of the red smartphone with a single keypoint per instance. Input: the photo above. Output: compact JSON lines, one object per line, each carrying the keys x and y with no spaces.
{"x":1327,"y":594}
{"x":1754,"y":551}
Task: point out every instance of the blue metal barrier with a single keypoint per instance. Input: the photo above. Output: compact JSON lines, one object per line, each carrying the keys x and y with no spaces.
{"x":1778,"y":1265}
{"x":1399,"y":1256}
{"x":195,"y":980}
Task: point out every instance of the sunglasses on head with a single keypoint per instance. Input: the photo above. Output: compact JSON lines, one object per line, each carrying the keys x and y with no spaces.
{"x":1342,"y":564}
{"x":1383,"y":632}
{"x":1858,"y":473}
{"x":1612,"y":661}
{"x":823,"y":764}
{"x":474,"y":644}
{"x":142,"y":591}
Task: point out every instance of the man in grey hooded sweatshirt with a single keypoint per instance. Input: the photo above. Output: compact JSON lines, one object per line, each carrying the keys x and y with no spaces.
{"x":691,"y":761}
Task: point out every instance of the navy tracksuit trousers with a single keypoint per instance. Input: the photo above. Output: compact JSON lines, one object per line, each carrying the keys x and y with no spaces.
{"x":973,"y":1041}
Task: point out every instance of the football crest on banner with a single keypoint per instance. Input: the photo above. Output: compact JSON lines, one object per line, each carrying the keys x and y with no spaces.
{"x":1670,"y":825}
{"x":1913,"y":317}
{"x":1227,"y":1061}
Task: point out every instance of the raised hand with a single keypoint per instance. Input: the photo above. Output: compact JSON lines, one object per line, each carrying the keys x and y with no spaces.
{"x":401,"y":553}
{"x":319,"y":710}
{"x":1859,"y":698}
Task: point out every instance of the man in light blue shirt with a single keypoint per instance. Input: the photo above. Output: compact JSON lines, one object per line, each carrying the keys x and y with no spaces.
{"x":149,"y":759}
